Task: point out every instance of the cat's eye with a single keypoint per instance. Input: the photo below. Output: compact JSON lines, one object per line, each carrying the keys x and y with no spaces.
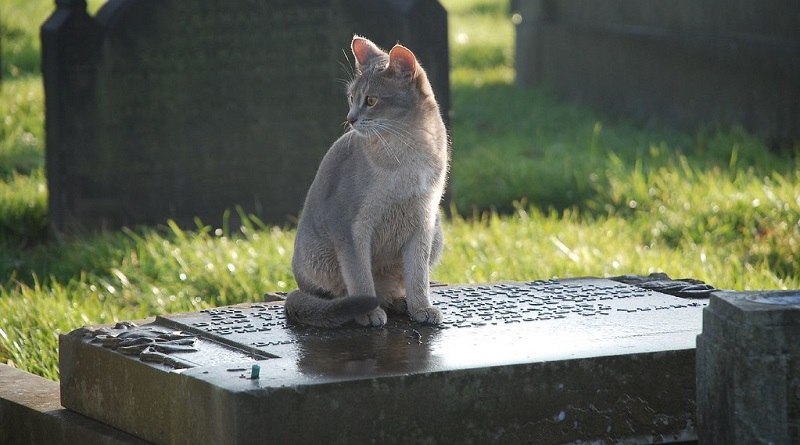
{"x":370,"y":100}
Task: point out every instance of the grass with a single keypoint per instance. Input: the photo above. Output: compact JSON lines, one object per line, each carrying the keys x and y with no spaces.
{"x":541,"y":189}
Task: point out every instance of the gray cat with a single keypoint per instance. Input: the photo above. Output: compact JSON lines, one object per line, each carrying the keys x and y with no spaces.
{"x":371,"y":229}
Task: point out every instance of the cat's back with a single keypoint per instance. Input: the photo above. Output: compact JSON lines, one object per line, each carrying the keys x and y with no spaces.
{"x":340,"y":154}
{"x":338,"y":175}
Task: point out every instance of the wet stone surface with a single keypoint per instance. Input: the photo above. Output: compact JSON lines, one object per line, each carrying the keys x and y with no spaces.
{"x":484,"y":324}
{"x":549,"y":362}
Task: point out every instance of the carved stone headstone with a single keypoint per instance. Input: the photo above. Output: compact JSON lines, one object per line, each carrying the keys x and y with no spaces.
{"x":546,"y":362}
{"x":183,"y":109}
{"x":748,"y":368}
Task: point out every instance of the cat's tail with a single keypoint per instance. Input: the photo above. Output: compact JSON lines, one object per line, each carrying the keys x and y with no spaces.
{"x":306,"y":308}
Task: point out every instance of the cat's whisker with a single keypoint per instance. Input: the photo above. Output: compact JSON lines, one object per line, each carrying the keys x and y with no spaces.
{"x":389,"y":148}
{"x":402,"y":135}
{"x":395,"y":128}
{"x":344,"y":82}
{"x":378,"y":128}
{"x":376,"y":131}
{"x":347,"y":67}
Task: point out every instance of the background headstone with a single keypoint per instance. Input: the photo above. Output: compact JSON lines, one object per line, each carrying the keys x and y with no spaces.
{"x":174,"y":109}
{"x":748,"y":369}
{"x":688,"y":62}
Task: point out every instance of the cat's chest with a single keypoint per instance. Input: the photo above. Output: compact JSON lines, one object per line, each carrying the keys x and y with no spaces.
{"x":410,"y":169}
{"x":395,"y":222}
{"x":404,"y":183}
{"x":398,"y":201}
{"x":402,"y":188}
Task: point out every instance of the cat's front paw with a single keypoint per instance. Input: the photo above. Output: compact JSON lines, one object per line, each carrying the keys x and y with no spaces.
{"x":375,"y":317}
{"x":428,"y":315}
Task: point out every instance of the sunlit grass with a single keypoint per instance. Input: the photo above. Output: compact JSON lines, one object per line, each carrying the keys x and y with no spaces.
{"x":132,"y":275}
{"x":480,"y":35}
{"x":20,"y":21}
{"x":21,"y":125}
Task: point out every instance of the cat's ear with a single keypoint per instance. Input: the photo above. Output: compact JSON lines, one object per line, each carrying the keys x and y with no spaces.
{"x":403,"y":62}
{"x":364,"y":51}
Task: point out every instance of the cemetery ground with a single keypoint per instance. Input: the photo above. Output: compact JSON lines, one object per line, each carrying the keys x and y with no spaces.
{"x":540,"y":189}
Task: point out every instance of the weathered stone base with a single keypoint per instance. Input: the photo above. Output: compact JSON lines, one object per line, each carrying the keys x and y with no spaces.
{"x":31,"y":413}
{"x":748,"y":368}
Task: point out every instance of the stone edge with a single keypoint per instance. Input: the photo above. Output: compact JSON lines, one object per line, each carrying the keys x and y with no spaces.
{"x":31,"y":413}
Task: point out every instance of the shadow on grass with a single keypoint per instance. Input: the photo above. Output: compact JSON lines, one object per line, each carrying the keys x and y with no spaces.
{"x":221,"y":266}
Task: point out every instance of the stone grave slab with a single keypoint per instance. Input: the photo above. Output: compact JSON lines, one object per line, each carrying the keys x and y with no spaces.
{"x":748,"y":368}
{"x":551,"y":362}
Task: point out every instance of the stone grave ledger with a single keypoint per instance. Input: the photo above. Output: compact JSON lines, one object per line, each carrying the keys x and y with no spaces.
{"x":748,"y":368}
{"x":547,"y":362}
{"x":183,"y":109}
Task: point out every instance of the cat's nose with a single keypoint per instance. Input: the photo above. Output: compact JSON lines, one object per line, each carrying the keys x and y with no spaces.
{"x":351,"y":118}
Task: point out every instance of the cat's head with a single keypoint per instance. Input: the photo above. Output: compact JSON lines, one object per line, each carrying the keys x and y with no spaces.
{"x":388,"y":88}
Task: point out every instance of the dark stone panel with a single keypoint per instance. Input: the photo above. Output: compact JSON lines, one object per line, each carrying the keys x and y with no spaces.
{"x":686,"y":62}
{"x":183,"y":110}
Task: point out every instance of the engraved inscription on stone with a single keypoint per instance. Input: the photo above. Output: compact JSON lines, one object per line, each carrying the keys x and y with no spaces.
{"x":541,"y":301}
{"x":483,"y":325}
{"x":495,"y":314}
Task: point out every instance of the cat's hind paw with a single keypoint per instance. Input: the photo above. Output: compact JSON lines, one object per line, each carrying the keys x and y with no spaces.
{"x":427,"y":315}
{"x":398,"y":305}
{"x":375,"y":317}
